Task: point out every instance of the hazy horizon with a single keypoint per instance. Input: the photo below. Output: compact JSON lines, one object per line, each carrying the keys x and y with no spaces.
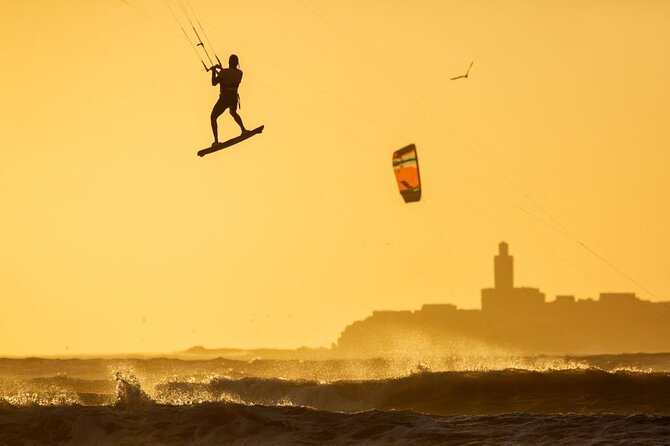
{"x":620,"y":310}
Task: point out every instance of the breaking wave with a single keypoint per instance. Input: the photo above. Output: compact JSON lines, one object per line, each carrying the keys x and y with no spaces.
{"x":446,"y":393}
{"x":129,"y":392}
{"x":590,"y":390}
{"x":557,"y":407}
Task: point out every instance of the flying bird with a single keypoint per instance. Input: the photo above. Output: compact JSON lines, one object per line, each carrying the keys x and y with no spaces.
{"x":463,"y":76}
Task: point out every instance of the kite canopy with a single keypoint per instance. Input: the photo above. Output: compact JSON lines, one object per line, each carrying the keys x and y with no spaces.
{"x":406,"y":168}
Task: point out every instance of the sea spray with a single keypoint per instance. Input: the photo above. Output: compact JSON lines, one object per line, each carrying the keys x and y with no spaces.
{"x":129,"y":392}
{"x":447,"y":393}
{"x":52,"y":397}
{"x":202,"y":403}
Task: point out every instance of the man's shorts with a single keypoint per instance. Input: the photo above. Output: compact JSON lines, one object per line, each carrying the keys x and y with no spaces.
{"x":225,"y":101}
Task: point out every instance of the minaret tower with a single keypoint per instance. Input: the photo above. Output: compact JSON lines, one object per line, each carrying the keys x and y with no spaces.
{"x":503,"y":265}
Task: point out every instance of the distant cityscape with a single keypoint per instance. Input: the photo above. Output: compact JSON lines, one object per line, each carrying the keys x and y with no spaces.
{"x":518,"y":318}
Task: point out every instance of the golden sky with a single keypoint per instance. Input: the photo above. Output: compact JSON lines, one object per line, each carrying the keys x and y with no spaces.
{"x":117,"y":238}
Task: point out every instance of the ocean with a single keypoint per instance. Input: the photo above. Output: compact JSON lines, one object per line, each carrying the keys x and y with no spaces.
{"x":596,"y":400}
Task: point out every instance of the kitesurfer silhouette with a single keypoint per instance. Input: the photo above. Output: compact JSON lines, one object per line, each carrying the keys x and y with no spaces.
{"x":228,"y":80}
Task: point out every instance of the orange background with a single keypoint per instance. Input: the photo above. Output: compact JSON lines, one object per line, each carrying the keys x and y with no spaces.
{"x":116,"y":237}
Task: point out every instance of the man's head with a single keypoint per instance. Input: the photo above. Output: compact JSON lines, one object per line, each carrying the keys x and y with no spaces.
{"x":233,"y":61}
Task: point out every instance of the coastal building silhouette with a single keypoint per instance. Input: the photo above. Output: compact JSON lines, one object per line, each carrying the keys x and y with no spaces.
{"x":504,"y":298}
{"x":503,"y":268}
{"x":518,"y":319}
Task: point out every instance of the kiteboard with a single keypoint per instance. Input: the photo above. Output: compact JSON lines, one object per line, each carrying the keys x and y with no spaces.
{"x":231,"y":142}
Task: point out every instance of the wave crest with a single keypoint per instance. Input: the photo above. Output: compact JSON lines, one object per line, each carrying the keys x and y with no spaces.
{"x":447,"y":393}
{"x":129,"y":392}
